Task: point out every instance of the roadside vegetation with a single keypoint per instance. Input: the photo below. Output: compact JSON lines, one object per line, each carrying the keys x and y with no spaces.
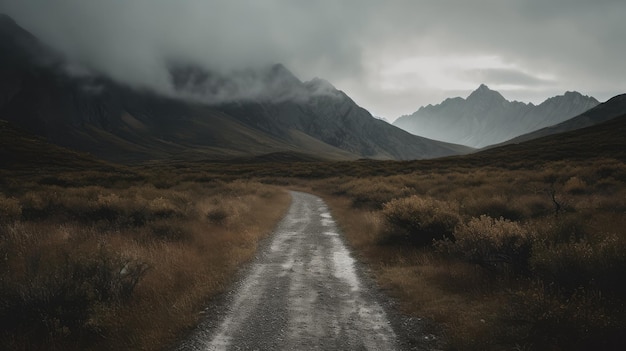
{"x":92,"y":260}
{"x":519,"y":248}
{"x":499,"y":258}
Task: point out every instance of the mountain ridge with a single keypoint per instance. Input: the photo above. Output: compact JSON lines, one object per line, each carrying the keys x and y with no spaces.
{"x":485,"y":117}
{"x":274,"y":112}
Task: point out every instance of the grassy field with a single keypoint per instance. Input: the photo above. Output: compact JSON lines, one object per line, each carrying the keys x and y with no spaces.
{"x":519,"y":248}
{"x":500,"y":259}
{"x":94,"y":261}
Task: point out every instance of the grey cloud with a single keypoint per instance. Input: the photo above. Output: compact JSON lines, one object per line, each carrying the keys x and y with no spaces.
{"x":504,"y":76}
{"x":578,"y":42}
{"x":133,"y":41}
{"x":270,"y":83}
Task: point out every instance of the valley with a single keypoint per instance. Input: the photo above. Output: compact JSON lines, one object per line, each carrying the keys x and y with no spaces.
{"x":250,"y":209}
{"x":201,"y":214}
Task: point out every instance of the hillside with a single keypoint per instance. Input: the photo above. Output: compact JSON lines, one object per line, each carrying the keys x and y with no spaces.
{"x":20,"y":150}
{"x":606,"y":111}
{"x":42,"y":93}
{"x":601,"y":140}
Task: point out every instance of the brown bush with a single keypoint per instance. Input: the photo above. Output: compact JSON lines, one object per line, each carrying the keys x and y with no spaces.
{"x":582,"y":262}
{"x":10,"y":209}
{"x":546,"y":320}
{"x":371,"y":192}
{"x":495,"y":244}
{"x":418,"y":221}
{"x":582,"y":246}
{"x":575,"y":186}
{"x":53,"y":291}
{"x":74,"y":263}
{"x":495,"y":207}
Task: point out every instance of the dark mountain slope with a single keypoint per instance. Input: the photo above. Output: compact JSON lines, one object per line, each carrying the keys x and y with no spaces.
{"x":334,"y":120}
{"x":20,"y":150}
{"x":94,"y":114}
{"x":91,"y":113}
{"x":602,"y":140}
{"x":122,"y":124}
{"x":291,"y":108}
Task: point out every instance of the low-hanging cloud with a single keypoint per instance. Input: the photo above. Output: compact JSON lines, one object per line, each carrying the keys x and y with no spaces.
{"x":269,"y":83}
{"x":578,"y":44}
{"x":137,"y":41}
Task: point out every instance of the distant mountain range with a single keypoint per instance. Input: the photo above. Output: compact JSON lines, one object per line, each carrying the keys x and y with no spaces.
{"x":207,"y":115}
{"x":487,"y":118}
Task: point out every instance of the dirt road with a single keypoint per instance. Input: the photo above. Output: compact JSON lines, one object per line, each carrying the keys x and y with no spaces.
{"x":302,"y":293}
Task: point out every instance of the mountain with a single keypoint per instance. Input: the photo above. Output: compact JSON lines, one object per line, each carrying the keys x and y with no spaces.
{"x":486,"y":117}
{"x":298,"y":111}
{"x":606,"y":111}
{"x":207,"y":115}
{"x":382,"y":119}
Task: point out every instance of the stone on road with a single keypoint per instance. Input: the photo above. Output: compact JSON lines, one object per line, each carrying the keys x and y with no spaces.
{"x":302,"y":293}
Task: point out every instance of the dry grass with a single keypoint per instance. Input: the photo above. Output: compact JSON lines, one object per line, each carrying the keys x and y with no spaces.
{"x":126,"y":267}
{"x":192,"y":224}
{"x":100,"y":256}
{"x":535,"y":262}
{"x":455,"y":295}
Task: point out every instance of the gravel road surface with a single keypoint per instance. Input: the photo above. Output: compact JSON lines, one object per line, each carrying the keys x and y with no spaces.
{"x":303,"y":292}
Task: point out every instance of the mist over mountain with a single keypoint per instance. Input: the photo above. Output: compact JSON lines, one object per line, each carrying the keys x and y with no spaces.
{"x":485,"y":117}
{"x":272,"y":83}
{"x":206,"y":114}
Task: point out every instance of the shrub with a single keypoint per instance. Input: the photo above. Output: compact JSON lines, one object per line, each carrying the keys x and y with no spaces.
{"x":563,"y":229}
{"x":217,"y":215}
{"x":548,"y":320}
{"x":615,"y":203}
{"x":168,"y":230}
{"x":533,"y":206}
{"x":418,"y":221}
{"x":494,"y":206}
{"x":371,"y":193}
{"x":10,"y":209}
{"x":54,"y":294}
{"x":575,"y":186}
{"x":54,"y":180}
{"x":582,"y":263}
{"x":495,"y":244}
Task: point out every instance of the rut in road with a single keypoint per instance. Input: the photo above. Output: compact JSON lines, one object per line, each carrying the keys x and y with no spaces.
{"x":303,"y":292}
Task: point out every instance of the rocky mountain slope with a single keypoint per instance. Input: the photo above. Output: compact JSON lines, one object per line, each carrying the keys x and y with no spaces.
{"x":486,"y":117}
{"x":207,"y":115}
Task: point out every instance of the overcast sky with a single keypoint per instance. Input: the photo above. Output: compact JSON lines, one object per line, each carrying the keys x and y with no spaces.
{"x":390,"y":56}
